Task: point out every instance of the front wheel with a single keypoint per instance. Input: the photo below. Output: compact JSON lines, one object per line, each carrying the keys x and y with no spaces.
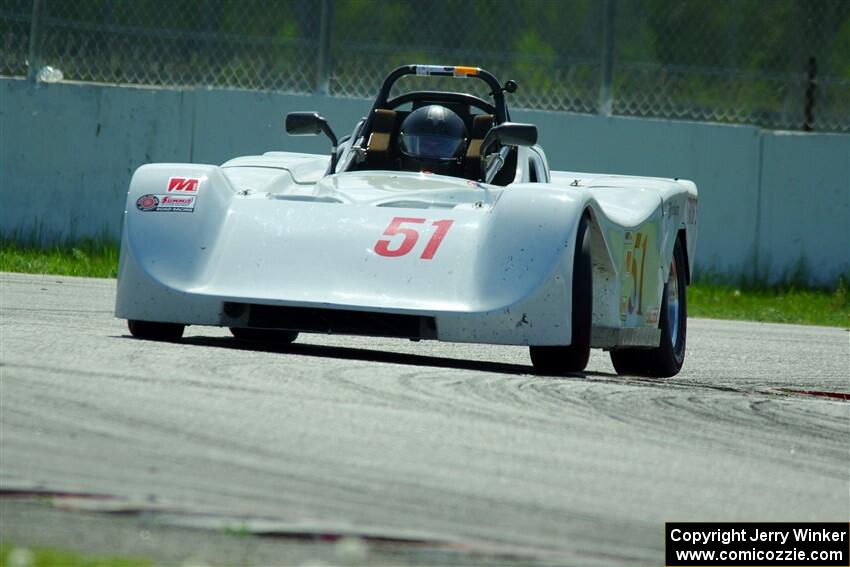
{"x":264,"y":335}
{"x":573,"y":357}
{"x":665,"y":360}
{"x":155,"y":331}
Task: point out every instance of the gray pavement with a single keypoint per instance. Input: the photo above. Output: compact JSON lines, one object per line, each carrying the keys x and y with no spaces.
{"x":454,"y":444}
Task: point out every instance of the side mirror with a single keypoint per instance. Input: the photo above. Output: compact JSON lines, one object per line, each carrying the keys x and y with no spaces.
{"x":510,"y":134}
{"x":311,"y":124}
{"x":507,"y":134}
{"x":304,"y":123}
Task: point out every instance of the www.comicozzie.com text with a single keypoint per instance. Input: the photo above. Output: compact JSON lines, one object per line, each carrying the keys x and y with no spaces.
{"x":726,"y":537}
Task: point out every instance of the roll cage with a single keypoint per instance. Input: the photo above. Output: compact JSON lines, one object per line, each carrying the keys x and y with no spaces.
{"x":498,"y":108}
{"x":370,"y":146}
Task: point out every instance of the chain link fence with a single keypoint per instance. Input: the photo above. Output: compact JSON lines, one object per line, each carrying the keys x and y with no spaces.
{"x":778,"y":64}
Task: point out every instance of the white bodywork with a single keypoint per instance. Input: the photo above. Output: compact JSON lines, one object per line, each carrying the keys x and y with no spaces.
{"x":273,"y":230}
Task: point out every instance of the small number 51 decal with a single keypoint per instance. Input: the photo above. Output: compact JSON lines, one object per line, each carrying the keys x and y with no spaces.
{"x":411,"y":236}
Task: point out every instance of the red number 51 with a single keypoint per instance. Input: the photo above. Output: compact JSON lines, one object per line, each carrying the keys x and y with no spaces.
{"x":411,"y":236}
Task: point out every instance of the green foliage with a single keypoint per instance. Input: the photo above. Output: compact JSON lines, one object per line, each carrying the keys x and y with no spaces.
{"x":730,"y":60}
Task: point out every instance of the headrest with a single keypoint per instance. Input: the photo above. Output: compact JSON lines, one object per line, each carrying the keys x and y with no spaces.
{"x":481,"y":124}
{"x":383,"y":124}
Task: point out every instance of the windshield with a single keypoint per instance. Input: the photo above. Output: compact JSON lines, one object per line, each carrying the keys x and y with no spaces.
{"x":411,"y":83}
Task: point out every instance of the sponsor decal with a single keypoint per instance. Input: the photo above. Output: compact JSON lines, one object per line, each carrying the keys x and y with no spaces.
{"x":167,"y":203}
{"x":183,"y":184}
{"x":147,"y":203}
{"x":652,"y":316}
{"x":181,"y":204}
{"x":692,"y":210}
{"x":672,"y":210}
{"x":638,"y":277}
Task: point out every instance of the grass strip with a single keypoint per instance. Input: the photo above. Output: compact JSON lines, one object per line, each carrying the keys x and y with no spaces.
{"x":12,"y":556}
{"x":88,"y":258}
{"x":778,"y":304}
{"x":709,"y":297}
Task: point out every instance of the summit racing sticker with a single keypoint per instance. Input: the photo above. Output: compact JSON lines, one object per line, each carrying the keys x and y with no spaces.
{"x":181,"y":204}
{"x":183,"y":185}
{"x":166,"y":203}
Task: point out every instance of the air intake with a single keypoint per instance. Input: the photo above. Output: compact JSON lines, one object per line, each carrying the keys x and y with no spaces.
{"x":337,"y":321}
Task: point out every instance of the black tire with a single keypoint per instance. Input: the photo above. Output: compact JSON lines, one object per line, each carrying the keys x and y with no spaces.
{"x":573,"y":357}
{"x":264,"y":335}
{"x":155,"y":331}
{"x":667,"y":359}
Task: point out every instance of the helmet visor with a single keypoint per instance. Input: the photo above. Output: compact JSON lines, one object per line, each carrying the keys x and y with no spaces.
{"x":431,"y":146}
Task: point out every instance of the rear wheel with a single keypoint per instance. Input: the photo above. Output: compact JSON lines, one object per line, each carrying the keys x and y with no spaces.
{"x":667,"y":359}
{"x":155,"y":331}
{"x":573,"y":357}
{"x":264,"y":335}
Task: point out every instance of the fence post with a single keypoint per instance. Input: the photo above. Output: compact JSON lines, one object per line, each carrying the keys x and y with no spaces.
{"x":323,"y":65}
{"x":811,"y":93}
{"x":609,"y":19}
{"x":34,"y":53}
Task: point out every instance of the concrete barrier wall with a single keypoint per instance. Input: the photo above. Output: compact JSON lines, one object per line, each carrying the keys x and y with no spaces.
{"x":67,"y":153}
{"x":804,"y":210}
{"x":768,"y":200}
{"x":722,"y":160}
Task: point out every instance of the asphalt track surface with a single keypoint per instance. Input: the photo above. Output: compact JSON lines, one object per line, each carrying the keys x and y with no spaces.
{"x":426,"y":442}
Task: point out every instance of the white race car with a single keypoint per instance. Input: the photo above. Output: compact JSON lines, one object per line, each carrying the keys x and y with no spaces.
{"x":437,"y":218}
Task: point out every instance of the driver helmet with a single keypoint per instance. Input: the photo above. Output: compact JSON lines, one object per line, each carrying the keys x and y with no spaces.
{"x":432,"y":138}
